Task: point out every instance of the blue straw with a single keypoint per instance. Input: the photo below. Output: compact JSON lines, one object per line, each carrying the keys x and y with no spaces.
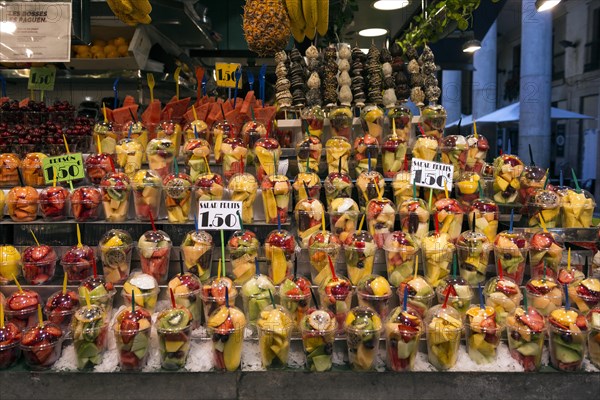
{"x":567,"y":302}
{"x":116,"y":93}
{"x":196,"y":223}
{"x":256,"y":266}
{"x":278,"y":222}
{"x":561,"y":181}
{"x":481,"y":302}
{"x":130,"y":130}
{"x":512,"y":220}
{"x":369,"y":161}
{"x":195,"y":132}
{"x":508,"y":147}
{"x":405,"y":298}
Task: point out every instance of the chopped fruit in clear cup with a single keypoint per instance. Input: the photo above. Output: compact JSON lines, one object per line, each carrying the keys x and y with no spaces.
{"x":280,"y":251}
{"x":178,"y":197}
{"x":267,"y":152}
{"x":250,"y":133}
{"x":213,"y":294}
{"x":243,"y":247}
{"x":359,"y":250}
{"x":60,"y":308}
{"x":308,"y":214}
{"x":39,"y":263}
{"x":366,"y":149}
{"x":53,"y":203}
{"x":467,"y":188}
{"x":504,"y":295}
{"x":486,"y":217}
{"x":577,"y":209}
{"x":403,"y":330}
{"x":174,"y":330}
{"x":170,"y":130}
{"x":22,"y":203}
{"x":341,"y":119}
{"x":274,"y":331}
{"x":322,"y":246}
{"x":160,"y":153}
{"x":313,"y":119}
{"x":221,"y":130}
{"x":90,"y":330}
{"x":585,"y":295}
{"x":41,"y":345}
{"x":337,"y":185}
{"x":10,"y":264}
{"x":531,"y":180}
{"x":226,"y":329}
{"x":100,"y":292}
{"x":10,"y":351}
{"x":96,"y":166}
{"x":309,"y":151}
{"x":526,"y":332}
{"x":10,"y":164}
{"x":147,"y":191}
{"x":233,"y":154}
{"x":543,"y":206}
{"x":454,"y":152}
{"x":425,"y":148}
{"x":209,"y":187}
{"x":144,"y":288}
{"x":402,"y":187}
{"x":400,"y":251}
{"x":243,"y":187}
{"x":544,"y":294}
{"x":255,"y":296}
{"x":545,"y":248}
{"x":312,"y":181}
{"x":381,"y":216}
{"x":363,"y":327}
{"x":154,"y":248}
{"x":77,"y":263}
{"x":115,"y":196}
{"x":20,"y":308}
{"x":393,"y":152}
{"x":336,"y":297}
{"x":444,"y":328}
{"x":276,"y":192}
{"x":437,"y":255}
{"x":482,"y":334}
{"x":568,"y":331}
{"x":414,"y":217}
{"x":450,"y":217}
{"x":343,"y":217}
{"x":433,"y":117}
{"x":372,"y":120}
{"x":107,"y":133}
{"x":510,"y":249}
{"x":477,"y":153}
{"x":318,"y":330}
{"x":186,"y":289}
{"x":31,"y":169}
{"x":130,"y":154}
{"x":507,"y":171}
{"x":593,"y":320}
{"x":460,"y":297}
{"x":294,"y":295}
{"x":473,"y":253}
{"x":197,"y":248}
{"x":85,"y":203}
{"x":132,"y":335}
{"x":337,"y":148}
{"x":420,"y":294}
{"x":196,"y":153}
{"x":374,"y":291}
{"x":196,"y":127}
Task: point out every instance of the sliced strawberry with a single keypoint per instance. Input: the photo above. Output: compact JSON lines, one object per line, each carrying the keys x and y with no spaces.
{"x":581,"y":322}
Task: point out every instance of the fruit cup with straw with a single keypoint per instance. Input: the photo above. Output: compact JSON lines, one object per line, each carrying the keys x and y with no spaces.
{"x":526,"y":331}
{"x":306,"y":184}
{"x":243,"y":187}
{"x":313,"y":120}
{"x":234,"y":154}
{"x":196,"y":153}
{"x":251,"y":132}
{"x":187,"y":289}
{"x":414,"y":216}
{"x":483,"y":332}
{"x":115,"y":249}
{"x":507,"y":170}
{"x":41,"y":345}
{"x":363,"y":327}
{"x":401,"y":250}
{"x":132,"y":330}
{"x":213,"y":291}
{"x":503,"y":294}
{"x":220,"y":130}
{"x":136,"y":130}
{"x":22,"y":202}
{"x":467,"y":185}
{"x":85,"y":203}
{"x":403,"y":330}
{"x":267,"y":152}
{"x":60,"y":308}
{"x":461,"y":292}
{"x":97,"y":290}
{"x":401,"y":186}
{"x":544,"y":294}
{"x":433,"y":117}
{"x":276,"y":191}
{"x":585,"y":295}
{"x":53,"y":202}
{"x":21,"y":306}
{"x":105,"y":135}
{"x":337,"y":152}
{"x":484,"y":215}
{"x":115,"y":196}
{"x":170,"y":130}
{"x":341,"y":119}
{"x":343,"y":217}
{"x":359,"y":252}
{"x":395,"y":145}
{"x":450,"y":217}
{"x":154,"y":248}
{"x":323,"y":250}
{"x":473,"y":250}
{"x":443,"y":329}
{"x":545,"y":254}
{"x":374,"y":291}
{"x":531,"y":180}
{"x":208,"y":187}
{"x":10,"y":337}
{"x":437,"y":252}
{"x":510,"y":248}
{"x":77,"y":261}
{"x":174,"y":329}
{"x":98,"y":164}
{"x":366,"y":150}
{"x":372,"y":121}
{"x":543,"y":208}
{"x":294,"y":296}
{"x":280,"y":251}
{"x":243,"y":247}
{"x":477,"y":152}
{"x":369,"y":185}
{"x":161,"y":153}
{"x":31,"y":168}
{"x":454,"y":151}
{"x":90,"y":330}
{"x":425,"y":148}
{"x":178,"y":196}
{"x":141,"y":289}
{"x":308,"y":214}
{"x":577,"y":207}
{"x":197,"y":129}
{"x":255,"y":295}
{"x":130,"y":154}
{"x":226,"y":328}
{"x":197,"y":247}
{"x":318,"y":329}
{"x":381,"y":216}
{"x":147,"y":192}
{"x":274,"y":331}
{"x":337,"y":185}
{"x":308,"y":154}
{"x":39,"y":263}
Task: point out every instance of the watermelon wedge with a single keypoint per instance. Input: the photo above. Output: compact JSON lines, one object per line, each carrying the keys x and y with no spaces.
{"x":175,"y":109}
{"x":122,"y":115}
{"x":128,"y":101}
{"x":248,"y":101}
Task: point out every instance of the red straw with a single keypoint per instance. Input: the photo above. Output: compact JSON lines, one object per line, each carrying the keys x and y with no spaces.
{"x":421,"y":129}
{"x":112,"y":164}
{"x":500,"y":273}
{"x":172,"y":298}
{"x":94,"y":268}
{"x":450,"y":290}
{"x":335,"y":278}
{"x":405,"y":166}
{"x":500,"y":150}
{"x":437,"y":224}
{"x":152,"y":221}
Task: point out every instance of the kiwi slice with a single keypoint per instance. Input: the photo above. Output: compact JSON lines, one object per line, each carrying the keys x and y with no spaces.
{"x":175,"y":319}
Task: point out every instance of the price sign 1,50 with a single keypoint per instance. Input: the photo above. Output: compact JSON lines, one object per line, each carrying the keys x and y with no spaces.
{"x":431,"y":174}
{"x":68,"y":167}
{"x":217,"y":215}
{"x":225,"y":75}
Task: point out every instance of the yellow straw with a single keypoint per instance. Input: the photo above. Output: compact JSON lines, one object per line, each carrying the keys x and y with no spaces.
{"x":98,"y":144}
{"x":569,"y":260}
{"x":207,"y":167}
{"x":104,"y":112}
{"x":54,"y":177}
{"x":40,"y":316}
{"x":362,"y":220}
{"x":66,"y":144}
{"x":416,"y":266}
{"x":64,"y":288}
{"x":219,"y":270}
{"x":79,"y":237}
{"x":34,"y":238}
{"x":1,"y":315}
{"x":542,"y":223}
{"x":366,"y":197}
{"x":475,"y":130}
{"x":194,"y":113}
{"x":323,"y":222}
{"x":377,"y":190}
{"x":446,"y":190}
{"x":17,"y":283}
{"x":87,"y":296}
{"x":393,"y":126}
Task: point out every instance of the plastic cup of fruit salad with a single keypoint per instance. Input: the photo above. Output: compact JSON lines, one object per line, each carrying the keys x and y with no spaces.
{"x":545,"y":295}
{"x":42,"y":346}
{"x":593,"y":319}
{"x":318,"y":334}
{"x":443,"y":329}
{"x":174,"y":330}
{"x":482,"y":334}
{"x":403,"y":330}
{"x":526,"y":333}
{"x":567,"y":339}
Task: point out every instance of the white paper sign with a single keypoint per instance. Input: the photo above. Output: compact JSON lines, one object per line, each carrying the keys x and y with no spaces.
{"x":431,"y":174}
{"x":219,"y":215}
{"x":35,"y":31}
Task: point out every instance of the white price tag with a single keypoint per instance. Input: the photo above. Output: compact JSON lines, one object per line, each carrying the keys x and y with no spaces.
{"x":431,"y":174}
{"x":35,"y":31}
{"x":220,"y":215}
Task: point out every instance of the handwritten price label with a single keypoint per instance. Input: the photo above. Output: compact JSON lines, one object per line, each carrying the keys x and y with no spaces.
{"x":217,"y":215}
{"x":41,"y":78}
{"x":431,"y":174}
{"x":226,"y":75}
{"x":68,"y":167}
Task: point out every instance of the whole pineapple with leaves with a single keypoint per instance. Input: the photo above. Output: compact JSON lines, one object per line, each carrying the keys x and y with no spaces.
{"x":266,"y":26}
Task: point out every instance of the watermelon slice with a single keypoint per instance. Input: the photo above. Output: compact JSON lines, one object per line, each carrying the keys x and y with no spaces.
{"x":266,"y":114}
{"x":248,"y":101}
{"x":24,"y":102}
{"x":4,"y":100}
{"x":177,"y":107}
{"x":227,"y":106}
{"x":128,"y":101}
{"x":122,"y":115}
{"x":151,"y":114}
{"x":215,"y":113}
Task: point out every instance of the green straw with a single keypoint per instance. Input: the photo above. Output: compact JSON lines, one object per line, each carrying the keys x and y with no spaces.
{"x":223,"y":250}
{"x":414,"y":190}
{"x":272,"y":299}
{"x":241,"y":220}
{"x":577,"y":188}
{"x":480,"y":189}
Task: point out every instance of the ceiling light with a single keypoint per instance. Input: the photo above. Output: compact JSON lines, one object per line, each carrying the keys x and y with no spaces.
{"x":387,"y":5}
{"x":471,"y":46}
{"x":372,"y":32}
{"x":545,"y":5}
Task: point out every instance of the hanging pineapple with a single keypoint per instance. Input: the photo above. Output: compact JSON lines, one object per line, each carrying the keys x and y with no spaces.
{"x":266,"y":26}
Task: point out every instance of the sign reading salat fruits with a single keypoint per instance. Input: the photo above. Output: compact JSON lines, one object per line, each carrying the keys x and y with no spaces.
{"x":68,"y":167}
{"x":35,"y":31}
{"x":41,"y":78}
{"x":225,"y":75}
{"x":217,"y":215}
{"x":431,"y":174}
